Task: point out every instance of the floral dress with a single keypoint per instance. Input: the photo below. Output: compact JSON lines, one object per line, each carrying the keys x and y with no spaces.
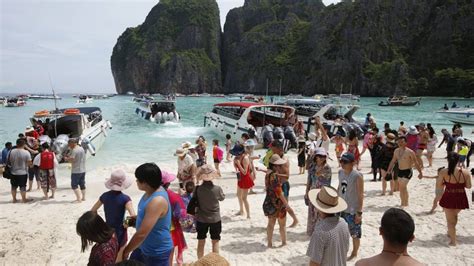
{"x":274,"y":192}
{"x":317,"y":178}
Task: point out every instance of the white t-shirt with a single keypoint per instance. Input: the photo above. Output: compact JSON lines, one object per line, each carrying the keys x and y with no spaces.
{"x":19,"y":159}
{"x":79,"y":163}
{"x":185,"y":164}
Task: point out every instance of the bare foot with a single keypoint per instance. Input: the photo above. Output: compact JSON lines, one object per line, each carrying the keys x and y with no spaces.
{"x":45,"y":198}
{"x":283,"y":244}
{"x":26,"y":200}
{"x":76,"y":201}
{"x":248,"y":217}
{"x":294,"y":224}
{"x":28,"y":190}
{"x":239,"y":214}
{"x":452,"y":244}
{"x":14,"y":201}
{"x":431,"y":212}
{"x":391,"y":193}
{"x":83,"y":199}
{"x":351,"y":257}
{"x":270,"y":245}
{"x":51,"y":197}
{"x":382,"y":194}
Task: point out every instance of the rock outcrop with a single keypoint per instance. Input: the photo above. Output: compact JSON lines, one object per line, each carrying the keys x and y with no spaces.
{"x":176,"y":49}
{"x":367,"y":47}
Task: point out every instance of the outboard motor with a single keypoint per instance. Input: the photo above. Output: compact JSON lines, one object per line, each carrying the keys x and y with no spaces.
{"x":171,"y":116}
{"x":88,"y":146}
{"x":44,"y":139}
{"x":60,"y":146}
{"x":291,"y":136}
{"x":158,"y":117}
{"x":278,"y":133}
{"x":267,"y":135}
{"x":164,"y":116}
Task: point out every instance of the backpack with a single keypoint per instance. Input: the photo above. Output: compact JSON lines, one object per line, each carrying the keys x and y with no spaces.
{"x":47,"y":160}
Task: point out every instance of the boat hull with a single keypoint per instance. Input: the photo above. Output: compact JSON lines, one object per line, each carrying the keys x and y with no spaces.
{"x":95,"y":135}
{"x":158,"y":118}
{"x":462,"y":117}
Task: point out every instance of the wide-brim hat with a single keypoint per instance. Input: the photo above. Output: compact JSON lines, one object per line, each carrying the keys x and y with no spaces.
{"x":207,"y":173}
{"x":188,"y":145}
{"x":29,"y":129}
{"x":118,"y":181}
{"x":391,"y":137}
{"x":167,"y":177}
{"x":213,"y":259}
{"x":412,"y":130}
{"x":327,"y":200}
{"x":180,"y":152}
{"x":237,"y":150}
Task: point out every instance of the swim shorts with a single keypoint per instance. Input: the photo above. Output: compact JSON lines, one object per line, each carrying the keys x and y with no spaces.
{"x":462,"y":158}
{"x":285,"y":187}
{"x":388,"y":177}
{"x":354,"y":229}
{"x":406,"y":173}
{"x":78,"y":180}
{"x":214,"y":229}
{"x":19,"y":181}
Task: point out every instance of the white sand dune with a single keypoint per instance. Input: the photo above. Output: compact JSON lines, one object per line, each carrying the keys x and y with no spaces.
{"x":43,"y":232}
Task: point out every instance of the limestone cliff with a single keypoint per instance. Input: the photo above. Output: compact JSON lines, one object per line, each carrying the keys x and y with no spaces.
{"x":176,"y":49}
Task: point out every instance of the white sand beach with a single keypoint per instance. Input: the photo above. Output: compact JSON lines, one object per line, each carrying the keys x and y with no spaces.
{"x":43,"y":232}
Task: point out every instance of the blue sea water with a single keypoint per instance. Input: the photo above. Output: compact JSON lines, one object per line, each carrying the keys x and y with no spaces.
{"x":134,"y":140}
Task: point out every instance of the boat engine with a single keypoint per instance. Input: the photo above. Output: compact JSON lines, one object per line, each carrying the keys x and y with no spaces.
{"x":164,"y":116}
{"x":44,"y":139}
{"x":171,"y":117}
{"x":291,"y":136}
{"x":88,"y":146}
{"x":278,"y":133}
{"x":267,"y":135}
{"x":60,"y":146}
{"x":158,"y":117}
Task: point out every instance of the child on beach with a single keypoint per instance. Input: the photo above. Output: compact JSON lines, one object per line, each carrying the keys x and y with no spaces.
{"x":178,"y":212}
{"x":339,"y":141}
{"x":188,"y":223}
{"x":92,"y":229}
{"x":463,"y":151}
{"x":115,"y":203}
{"x":438,"y":192}
{"x":228,"y":146}
{"x":302,"y":154}
{"x":217,"y":154}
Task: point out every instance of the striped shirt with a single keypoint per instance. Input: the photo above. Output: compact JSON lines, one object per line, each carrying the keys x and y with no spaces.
{"x":330,"y":242}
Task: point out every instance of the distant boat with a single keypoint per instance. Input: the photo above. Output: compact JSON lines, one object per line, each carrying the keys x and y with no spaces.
{"x":143,"y":98}
{"x":84,"y":99}
{"x":44,"y":97}
{"x":400,"y":101}
{"x":130,"y":93}
{"x":158,"y":111}
{"x":14,"y":102}
{"x":3,"y":100}
{"x":459,"y":115}
{"x":98,"y":96}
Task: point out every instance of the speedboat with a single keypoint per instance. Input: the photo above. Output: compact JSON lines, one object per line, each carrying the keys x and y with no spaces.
{"x":85,"y":124}
{"x":459,"y":115}
{"x":143,"y":98}
{"x":84,"y":99}
{"x":264,"y":122}
{"x":44,"y":97}
{"x":98,"y":96}
{"x":14,"y":102}
{"x":3,"y":101}
{"x":158,"y":111}
{"x":400,"y":101}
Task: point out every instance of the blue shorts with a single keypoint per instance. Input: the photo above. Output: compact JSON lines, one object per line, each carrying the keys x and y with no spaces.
{"x":160,"y":260}
{"x":354,"y":229}
{"x":285,"y":186}
{"x":78,"y":180}
{"x":462,"y":158}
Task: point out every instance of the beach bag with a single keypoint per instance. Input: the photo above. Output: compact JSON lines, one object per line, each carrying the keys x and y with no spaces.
{"x":268,"y":207}
{"x":193,"y":203}
{"x":220,"y":154}
{"x":7,"y":173}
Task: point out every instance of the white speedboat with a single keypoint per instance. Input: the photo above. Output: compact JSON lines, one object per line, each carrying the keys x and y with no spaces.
{"x":44,"y":97}
{"x":84,"y":99}
{"x":158,"y":111}
{"x":263,"y":122}
{"x":459,"y":115}
{"x":143,"y":98}
{"x":14,"y":102}
{"x":85,"y":124}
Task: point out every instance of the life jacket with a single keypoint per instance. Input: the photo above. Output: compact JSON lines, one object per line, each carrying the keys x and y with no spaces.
{"x":47,"y":160}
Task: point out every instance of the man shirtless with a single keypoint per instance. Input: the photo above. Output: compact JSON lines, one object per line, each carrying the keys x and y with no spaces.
{"x":423,"y":139}
{"x":405,"y":159}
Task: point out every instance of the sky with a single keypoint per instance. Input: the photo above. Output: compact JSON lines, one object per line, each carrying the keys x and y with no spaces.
{"x":68,"y":42}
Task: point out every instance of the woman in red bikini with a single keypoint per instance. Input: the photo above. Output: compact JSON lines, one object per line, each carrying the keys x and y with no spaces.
{"x":454,"y":180}
{"x":244,"y":178}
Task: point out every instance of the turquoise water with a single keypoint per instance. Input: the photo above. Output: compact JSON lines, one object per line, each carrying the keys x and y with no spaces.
{"x":134,"y":140}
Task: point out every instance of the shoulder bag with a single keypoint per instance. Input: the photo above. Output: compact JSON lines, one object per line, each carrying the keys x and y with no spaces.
{"x":193,"y":203}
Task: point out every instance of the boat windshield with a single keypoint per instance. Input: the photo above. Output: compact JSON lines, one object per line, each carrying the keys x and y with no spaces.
{"x":275,"y":115}
{"x":233,"y":112}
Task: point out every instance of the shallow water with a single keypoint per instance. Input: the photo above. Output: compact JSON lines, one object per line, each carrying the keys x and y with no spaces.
{"x":134,"y":140}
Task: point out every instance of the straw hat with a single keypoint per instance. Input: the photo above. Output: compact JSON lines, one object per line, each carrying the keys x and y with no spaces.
{"x":187,"y":145}
{"x":207,"y":173}
{"x":391,"y":137}
{"x":301,"y":139}
{"x":118,"y":181}
{"x":29,"y":129}
{"x":412,"y":130}
{"x":326,"y":200}
{"x":277,"y":160}
{"x":167,"y":177}
{"x":211,"y":259}
{"x":180,"y":152}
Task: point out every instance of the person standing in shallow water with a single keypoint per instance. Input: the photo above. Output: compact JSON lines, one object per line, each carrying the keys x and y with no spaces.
{"x":405,"y":158}
{"x":397,"y":230}
{"x":77,"y":158}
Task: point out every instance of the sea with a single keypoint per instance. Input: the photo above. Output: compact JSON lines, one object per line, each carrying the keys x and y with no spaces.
{"x":133,"y":140}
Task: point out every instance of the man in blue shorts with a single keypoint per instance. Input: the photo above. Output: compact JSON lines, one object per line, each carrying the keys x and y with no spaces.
{"x":77,"y":159}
